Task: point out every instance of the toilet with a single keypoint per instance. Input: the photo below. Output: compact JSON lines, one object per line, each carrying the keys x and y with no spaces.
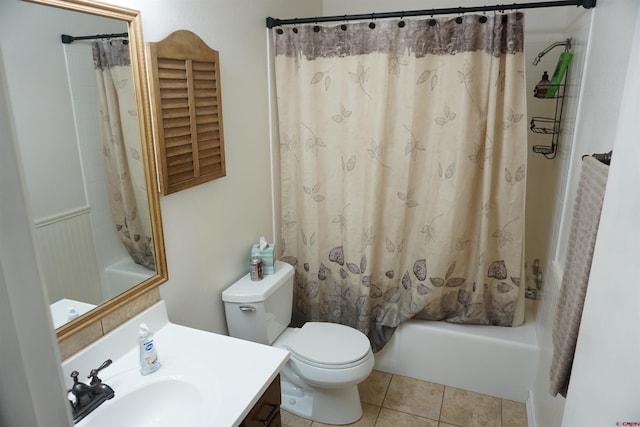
{"x":327,"y":361}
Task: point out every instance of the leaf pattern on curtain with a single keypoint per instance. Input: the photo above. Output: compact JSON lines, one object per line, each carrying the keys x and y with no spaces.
{"x":121,"y":149}
{"x":406,"y":197}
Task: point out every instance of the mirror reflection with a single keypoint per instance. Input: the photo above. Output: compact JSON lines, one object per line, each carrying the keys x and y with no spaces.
{"x":78,"y":138}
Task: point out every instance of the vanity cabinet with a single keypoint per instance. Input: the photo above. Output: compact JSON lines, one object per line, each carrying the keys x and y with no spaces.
{"x":267,"y":411}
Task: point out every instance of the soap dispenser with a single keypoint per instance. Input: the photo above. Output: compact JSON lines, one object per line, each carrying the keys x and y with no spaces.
{"x":72,"y":313}
{"x":148,"y":356}
{"x":541,"y":88}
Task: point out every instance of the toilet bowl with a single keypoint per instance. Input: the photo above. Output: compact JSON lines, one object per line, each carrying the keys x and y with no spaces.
{"x":327,"y":361}
{"x":322,"y":383}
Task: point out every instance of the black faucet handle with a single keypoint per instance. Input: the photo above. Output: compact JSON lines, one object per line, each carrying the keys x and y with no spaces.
{"x":79,"y":391}
{"x":94,"y":372}
{"x":74,"y":387}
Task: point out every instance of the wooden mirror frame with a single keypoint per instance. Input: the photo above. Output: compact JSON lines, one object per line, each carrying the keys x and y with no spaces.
{"x":141,"y":91}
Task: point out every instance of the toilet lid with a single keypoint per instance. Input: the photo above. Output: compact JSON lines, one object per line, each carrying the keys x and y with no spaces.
{"x":329,"y":344}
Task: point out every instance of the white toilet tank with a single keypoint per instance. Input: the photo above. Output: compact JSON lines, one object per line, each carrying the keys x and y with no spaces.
{"x":259,"y":311}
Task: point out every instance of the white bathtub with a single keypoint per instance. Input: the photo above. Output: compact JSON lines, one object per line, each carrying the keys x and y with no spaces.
{"x":493,"y":360}
{"x":122,"y":275}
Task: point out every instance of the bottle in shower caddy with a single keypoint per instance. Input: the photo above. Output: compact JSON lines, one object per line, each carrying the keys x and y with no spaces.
{"x":541,"y":88}
{"x":148,"y":356}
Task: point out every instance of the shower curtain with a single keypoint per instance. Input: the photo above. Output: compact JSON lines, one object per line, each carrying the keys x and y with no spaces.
{"x":403,"y":164}
{"x":122,"y":150}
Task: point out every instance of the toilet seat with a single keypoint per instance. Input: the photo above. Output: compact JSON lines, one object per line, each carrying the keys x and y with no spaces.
{"x":329,"y":345}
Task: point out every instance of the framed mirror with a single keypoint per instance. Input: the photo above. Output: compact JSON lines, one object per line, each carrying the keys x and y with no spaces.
{"x":83,"y":130}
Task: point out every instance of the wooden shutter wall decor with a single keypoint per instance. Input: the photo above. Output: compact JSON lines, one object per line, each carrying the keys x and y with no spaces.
{"x":185,"y":87}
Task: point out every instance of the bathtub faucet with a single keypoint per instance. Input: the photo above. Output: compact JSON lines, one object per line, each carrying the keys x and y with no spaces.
{"x":534,"y":280}
{"x":537,"y":273}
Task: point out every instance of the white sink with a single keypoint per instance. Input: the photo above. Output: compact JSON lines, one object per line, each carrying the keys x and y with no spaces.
{"x":165,"y":403}
{"x":170,"y":397}
{"x":206,"y":379}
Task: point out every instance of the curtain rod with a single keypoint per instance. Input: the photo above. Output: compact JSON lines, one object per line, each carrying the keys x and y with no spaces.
{"x":67,"y":39}
{"x":275,"y":22}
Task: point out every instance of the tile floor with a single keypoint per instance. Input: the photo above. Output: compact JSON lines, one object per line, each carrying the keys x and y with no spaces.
{"x":395,"y":401}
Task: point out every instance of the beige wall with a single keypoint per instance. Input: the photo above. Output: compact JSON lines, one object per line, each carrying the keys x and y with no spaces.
{"x":209,"y":229}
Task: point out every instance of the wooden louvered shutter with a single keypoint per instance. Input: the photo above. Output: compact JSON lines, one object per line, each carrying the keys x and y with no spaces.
{"x":185,"y":87}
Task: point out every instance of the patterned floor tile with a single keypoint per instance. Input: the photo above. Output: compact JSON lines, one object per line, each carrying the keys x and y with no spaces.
{"x":391,"y":418}
{"x":414,"y":397}
{"x":373,"y":389}
{"x":468,"y":409}
{"x":514,"y":414}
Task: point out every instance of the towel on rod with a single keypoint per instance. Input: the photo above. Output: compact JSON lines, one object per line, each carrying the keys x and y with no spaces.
{"x":582,"y":239}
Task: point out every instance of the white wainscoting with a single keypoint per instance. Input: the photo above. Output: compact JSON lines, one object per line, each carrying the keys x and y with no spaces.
{"x":66,"y":255}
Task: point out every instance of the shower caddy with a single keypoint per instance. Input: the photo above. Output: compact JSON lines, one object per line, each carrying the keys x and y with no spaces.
{"x":551,"y":125}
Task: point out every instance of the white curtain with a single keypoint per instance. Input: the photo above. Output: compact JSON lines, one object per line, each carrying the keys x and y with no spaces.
{"x":121,"y":149}
{"x":403,"y":164}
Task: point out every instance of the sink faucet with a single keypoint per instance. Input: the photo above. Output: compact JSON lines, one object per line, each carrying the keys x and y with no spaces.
{"x":88,"y":397}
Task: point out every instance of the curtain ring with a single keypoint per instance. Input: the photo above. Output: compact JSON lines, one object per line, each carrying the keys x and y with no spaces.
{"x":459,"y":18}
{"x":505,"y":17}
{"x":432,"y":22}
{"x":279,"y":30}
{"x":401,"y":24}
{"x":372,"y":24}
{"x":483,"y":18}
{"x":343,"y":27}
{"x":316,"y":28}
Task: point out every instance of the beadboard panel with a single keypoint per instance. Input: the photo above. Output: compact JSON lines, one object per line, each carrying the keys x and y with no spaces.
{"x":67,"y":257}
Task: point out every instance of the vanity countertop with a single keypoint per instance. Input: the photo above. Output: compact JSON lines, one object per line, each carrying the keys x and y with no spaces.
{"x":234,"y":373}
{"x":60,"y":310}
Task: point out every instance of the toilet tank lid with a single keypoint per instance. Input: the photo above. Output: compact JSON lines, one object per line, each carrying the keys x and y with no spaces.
{"x":246,"y":290}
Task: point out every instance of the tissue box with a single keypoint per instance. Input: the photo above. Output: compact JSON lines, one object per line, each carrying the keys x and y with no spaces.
{"x":268,"y":257}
